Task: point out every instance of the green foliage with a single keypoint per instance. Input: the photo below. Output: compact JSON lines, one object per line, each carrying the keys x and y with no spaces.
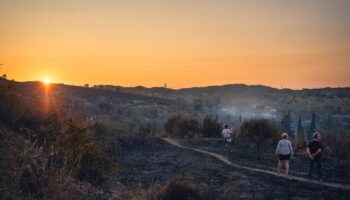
{"x":211,"y":126}
{"x":259,"y":131}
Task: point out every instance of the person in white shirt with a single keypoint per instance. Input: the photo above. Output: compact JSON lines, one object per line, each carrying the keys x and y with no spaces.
{"x":284,"y":151}
{"x":226,"y":133}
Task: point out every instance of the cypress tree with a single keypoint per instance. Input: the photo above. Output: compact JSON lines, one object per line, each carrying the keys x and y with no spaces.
{"x":300,"y":128}
{"x":286,"y":124}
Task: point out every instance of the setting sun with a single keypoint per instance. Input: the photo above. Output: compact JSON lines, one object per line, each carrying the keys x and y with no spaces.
{"x":46,"y":81}
{"x":203,"y":99}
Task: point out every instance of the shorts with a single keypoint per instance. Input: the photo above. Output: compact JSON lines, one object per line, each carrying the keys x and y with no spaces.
{"x":227,"y":140}
{"x":284,"y":157}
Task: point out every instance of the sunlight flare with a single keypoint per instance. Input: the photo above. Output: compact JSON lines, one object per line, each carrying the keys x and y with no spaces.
{"x":47,"y":81}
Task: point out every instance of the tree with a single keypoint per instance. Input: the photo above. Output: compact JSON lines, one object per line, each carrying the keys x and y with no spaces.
{"x":299,"y":140}
{"x":170,"y":123}
{"x":286,"y":124}
{"x":182,"y":126}
{"x":86,"y":85}
{"x":259,"y":131}
{"x":211,"y":126}
{"x":312,"y":127}
{"x":300,"y":128}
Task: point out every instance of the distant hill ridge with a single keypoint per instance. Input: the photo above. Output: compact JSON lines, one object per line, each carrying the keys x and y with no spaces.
{"x":228,"y":101}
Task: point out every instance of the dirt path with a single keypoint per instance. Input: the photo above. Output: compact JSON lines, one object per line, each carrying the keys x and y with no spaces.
{"x":225,"y":160}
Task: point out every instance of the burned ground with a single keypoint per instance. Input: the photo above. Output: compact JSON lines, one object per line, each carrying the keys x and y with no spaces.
{"x":156,"y":161}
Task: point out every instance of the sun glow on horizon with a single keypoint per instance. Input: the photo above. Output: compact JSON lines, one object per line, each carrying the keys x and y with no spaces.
{"x":297,"y":44}
{"x":47,"y":81}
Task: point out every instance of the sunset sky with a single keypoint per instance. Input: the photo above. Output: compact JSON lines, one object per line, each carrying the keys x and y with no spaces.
{"x":183,"y":43}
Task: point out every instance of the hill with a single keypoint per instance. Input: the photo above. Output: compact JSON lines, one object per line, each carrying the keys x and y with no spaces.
{"x":232,"y":101}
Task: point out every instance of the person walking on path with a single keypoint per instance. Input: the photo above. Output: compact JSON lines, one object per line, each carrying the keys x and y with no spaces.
{"x":226,"y":133}
{"x":284,"y":151}
{"x":227,"y":138}
{"x":314,"y":151}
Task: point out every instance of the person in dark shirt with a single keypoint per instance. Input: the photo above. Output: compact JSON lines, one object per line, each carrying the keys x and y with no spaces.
{"x":314,"y":151}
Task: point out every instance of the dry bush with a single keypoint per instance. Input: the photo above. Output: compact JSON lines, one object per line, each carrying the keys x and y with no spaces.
{"x":181,"y":126}
{"x":259,"y":132}
{"x":29,"y":174}
{"x":44,"y":155}
{"x":173,"y":189}
{"x":299,"y":143}
{"x":82,"y":157}
{"x":336,"y":145}
{"x":211,"y":126}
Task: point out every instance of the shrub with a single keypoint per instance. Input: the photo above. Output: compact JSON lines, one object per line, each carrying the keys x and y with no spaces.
{"x":336,"y":145}
{"x":29,"y":175}
{"x":46,"y":156}
{"x":211,"y":127}
{"x":182,"y":126}
{"x":173,"y":189}
{"x":299,"y":142}
{"x":259,"y":131}
{"x":83,"y":157}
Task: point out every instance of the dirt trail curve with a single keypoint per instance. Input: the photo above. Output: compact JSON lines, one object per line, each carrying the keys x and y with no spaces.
{"x":225,"y":160}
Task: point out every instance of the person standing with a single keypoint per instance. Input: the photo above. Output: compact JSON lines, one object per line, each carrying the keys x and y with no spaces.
{"x":226,"y":133}
{"x":314,"y":151}
{"x":285,"y":152}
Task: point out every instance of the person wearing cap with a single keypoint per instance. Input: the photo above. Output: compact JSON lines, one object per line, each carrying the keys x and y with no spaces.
{"x":314,"y":151}
{"x":284,"y":151}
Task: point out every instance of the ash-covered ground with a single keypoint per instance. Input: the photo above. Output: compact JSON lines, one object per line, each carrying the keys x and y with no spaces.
{"x":145,"y":162}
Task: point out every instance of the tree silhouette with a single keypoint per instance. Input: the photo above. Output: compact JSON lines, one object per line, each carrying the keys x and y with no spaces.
{"x":286,"y":124}
{"x":300,"y":128}
{"x":299,"y":140}
{"x":259,"y":131}
{"x":211,"y":126}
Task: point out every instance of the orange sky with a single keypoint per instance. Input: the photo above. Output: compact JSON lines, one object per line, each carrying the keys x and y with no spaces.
{"x":183,"y":43}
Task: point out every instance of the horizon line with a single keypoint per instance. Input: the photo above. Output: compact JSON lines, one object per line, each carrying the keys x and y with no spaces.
{"x":190,"y":87}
